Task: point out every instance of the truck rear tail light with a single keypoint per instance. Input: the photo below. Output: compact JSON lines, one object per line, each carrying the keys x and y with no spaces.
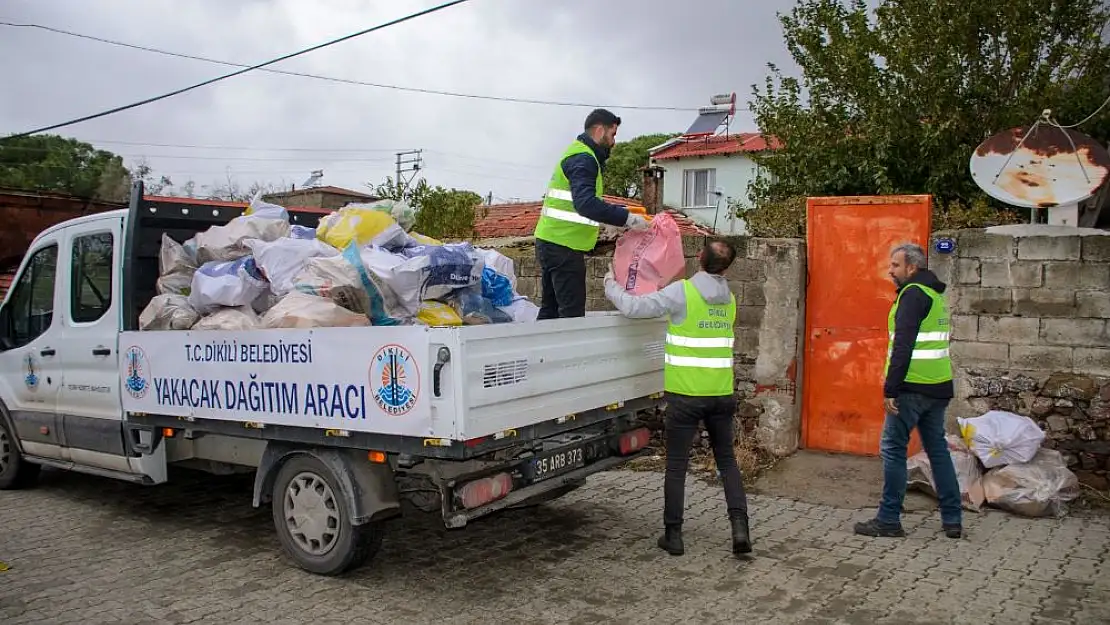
{"x":488,"y":489}
{"x":631,"y":442}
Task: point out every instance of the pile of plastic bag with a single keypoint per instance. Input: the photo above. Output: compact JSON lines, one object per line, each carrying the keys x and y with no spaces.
{"x":1021,"y":477}
{"x":361,"y":266}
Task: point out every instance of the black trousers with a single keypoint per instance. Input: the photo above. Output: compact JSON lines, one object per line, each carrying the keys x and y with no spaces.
{"x":563,"y":278}
{"x":684,"y":415}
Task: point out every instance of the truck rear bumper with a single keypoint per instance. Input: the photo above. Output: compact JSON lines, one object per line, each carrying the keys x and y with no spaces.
{"x":460,"y":517}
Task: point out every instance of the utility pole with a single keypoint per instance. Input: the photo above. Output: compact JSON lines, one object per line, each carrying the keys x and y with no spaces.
{"x":409,"y":162}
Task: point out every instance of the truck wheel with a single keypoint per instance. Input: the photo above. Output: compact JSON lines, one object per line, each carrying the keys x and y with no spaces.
{"x":15,"y":472}
{"x":313,"y":522}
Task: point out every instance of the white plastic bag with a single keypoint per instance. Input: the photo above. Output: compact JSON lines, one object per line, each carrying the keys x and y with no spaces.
{"x":281,"y":260}
{"x":239,"y":318}
{"x":266,"y":210}
{"x":498,"y":262}
{"x":229,"y":283}
{"x":176,"y":266}
{"x":301,"y":232}
{"x":968,"y":473}
{"x":168,"y":312}
{"x":1000,"y":438}
{"x":175,"y":284}
{"x":1038,"y":488}
{"x":301,"y":310}
{"x":336,"y":279}
{"x":386,"y":278}
{"x":221,"y":243}
{"x":522,"y":310}
{"x":441,"y":269}
{"x":361,"y":225}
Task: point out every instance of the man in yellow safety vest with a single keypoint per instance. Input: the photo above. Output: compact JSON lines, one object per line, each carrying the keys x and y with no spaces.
{"x":917,"y":390}
{"x":698,"y":381}
{"x":572,"y":214}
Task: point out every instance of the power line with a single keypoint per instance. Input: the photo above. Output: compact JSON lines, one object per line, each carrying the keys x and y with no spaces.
{"x":286,"y":57}
{"x":306,"y":159}
{"x":348,"y":81}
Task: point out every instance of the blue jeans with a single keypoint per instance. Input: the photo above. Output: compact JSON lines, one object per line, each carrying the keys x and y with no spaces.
{"x":927,"y":415}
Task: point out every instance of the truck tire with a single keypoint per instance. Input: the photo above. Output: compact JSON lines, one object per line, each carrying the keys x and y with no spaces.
{"x":313,"y":522}
{"x":15,"y":471}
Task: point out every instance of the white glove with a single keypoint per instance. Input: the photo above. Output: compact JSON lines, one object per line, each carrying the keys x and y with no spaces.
{"x":636,"y":222}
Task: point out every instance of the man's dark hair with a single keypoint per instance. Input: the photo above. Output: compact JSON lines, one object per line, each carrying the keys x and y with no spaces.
{"x":601,"y":117}
{"x":717,"y":256}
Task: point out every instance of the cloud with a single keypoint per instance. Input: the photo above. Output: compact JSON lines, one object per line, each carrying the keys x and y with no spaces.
{"x":648,"y":52}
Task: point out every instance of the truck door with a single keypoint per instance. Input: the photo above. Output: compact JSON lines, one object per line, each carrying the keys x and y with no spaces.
{"x":89,"y":403}
{"x":31,"y":372}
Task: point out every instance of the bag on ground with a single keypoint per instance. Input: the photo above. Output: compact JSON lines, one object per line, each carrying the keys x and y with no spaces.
{"x":223,"y":243}
{"x":301,"y":310}
{"x":281,"y":260}
{"x":1038,"y":488}
{"x":335,"y":278}
{"x":968,"y":473}
{"x":168,"y":312}
{"x":647,"y":260}
{"x":230,"y":319}
{"x":1001,"y":438}
{"x":226,"y":283}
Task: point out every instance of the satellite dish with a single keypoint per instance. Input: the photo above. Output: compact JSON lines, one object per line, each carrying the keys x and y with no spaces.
{"x":1040,"y":167}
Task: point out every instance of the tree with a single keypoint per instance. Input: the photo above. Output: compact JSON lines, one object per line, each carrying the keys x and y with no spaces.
{"x":622,"y":171}
{"x":447,"y":214}
{"x":412,"y":193}
{"x":896,"y":102}
{"x":61,"y":165}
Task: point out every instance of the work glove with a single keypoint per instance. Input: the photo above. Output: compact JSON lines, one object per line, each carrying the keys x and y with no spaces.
{"x":636,"y":222}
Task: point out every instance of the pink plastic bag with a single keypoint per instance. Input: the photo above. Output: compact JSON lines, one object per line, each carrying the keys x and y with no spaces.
{"x":647,"y":260}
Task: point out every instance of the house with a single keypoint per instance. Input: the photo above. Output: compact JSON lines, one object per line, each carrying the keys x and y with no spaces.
{"x":504,"y":224}
{"x":328,"y":197}
{"x":696,"y":168}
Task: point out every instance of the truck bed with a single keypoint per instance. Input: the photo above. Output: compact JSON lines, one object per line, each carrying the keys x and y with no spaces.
{"x":385,"y":380}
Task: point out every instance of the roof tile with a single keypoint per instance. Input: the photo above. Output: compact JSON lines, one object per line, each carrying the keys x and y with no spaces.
{"x":519,"y":220}
{"x":720,"y":145}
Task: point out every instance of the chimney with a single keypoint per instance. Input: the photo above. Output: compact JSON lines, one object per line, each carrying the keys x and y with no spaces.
{"x":652,"y":193}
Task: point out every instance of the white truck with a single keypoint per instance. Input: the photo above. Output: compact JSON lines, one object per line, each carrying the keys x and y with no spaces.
{"x":338,"y":424}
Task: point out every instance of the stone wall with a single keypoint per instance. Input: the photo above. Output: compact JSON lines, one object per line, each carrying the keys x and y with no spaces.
{"x":1030,"y":308}
{"x":768,"y":279}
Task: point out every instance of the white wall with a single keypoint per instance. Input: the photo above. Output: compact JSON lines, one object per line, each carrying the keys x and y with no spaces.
{"x":735,"y":173}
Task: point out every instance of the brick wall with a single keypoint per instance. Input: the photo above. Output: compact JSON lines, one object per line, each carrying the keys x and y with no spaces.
{"x":1031,"y":327}
{"x":768,"y":279}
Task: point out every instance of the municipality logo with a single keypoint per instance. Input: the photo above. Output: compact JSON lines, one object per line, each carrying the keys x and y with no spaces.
{"x":137,"y":371}
{"x":394,"y":380}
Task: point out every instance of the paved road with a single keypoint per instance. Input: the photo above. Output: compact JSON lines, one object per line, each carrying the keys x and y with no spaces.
{"x":86,"y":550}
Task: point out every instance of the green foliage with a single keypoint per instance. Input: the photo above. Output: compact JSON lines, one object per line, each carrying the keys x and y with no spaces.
{"x":979,"y":213}
{"x":779,"y":218}
{"x":61,"y":165}
{"x":896,"y":101}
{"x":623,"y":177}
{"x":441,"y":213}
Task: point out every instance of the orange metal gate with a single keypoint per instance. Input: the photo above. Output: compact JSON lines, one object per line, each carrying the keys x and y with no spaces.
{"x":848,"y":298}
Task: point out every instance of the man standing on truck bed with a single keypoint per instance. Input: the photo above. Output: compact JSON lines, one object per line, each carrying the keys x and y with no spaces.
{"x":917,"y":390}
{"x":572,"y":213}
{"x":698,"y":379}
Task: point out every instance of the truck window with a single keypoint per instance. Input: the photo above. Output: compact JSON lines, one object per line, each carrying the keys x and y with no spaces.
{"x":32,"y":299}
{"x":91,"y":277}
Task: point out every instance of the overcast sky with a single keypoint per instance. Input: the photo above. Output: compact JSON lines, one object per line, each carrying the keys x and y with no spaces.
{"x":611,"y":52}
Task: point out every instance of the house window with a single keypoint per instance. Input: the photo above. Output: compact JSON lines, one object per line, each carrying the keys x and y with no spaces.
{"x":697,"y":184}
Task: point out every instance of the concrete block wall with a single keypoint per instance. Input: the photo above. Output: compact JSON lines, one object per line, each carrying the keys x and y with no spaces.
{"x":768,"y":279}
{"x":1030,"y":312}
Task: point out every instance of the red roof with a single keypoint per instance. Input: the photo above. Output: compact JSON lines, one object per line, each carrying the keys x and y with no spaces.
{"x":519,"y":220}
{"x":720,"y":145}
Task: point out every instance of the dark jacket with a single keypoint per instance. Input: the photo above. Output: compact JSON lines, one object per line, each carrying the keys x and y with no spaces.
{"x":582,"y":172}
{"x":912,"y":310}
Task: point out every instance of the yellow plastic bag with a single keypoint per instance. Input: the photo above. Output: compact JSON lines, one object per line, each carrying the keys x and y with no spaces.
{"x":424,"y":240}
{"x":359,"y":225}
{"x":435,"y":313}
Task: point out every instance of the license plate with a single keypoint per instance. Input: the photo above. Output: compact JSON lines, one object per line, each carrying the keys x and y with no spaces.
{"x":556,"y":463}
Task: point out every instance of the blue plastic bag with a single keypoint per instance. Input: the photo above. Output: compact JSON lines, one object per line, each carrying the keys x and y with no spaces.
{"x":496,"y":288}
{"x":444,"y":268}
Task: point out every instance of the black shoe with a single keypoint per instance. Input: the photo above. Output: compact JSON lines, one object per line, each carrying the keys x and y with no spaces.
{"x":671,"y":540}
{"x":879,"y":530}
{"x":954,"y":531}
{"x":741,"y":540}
